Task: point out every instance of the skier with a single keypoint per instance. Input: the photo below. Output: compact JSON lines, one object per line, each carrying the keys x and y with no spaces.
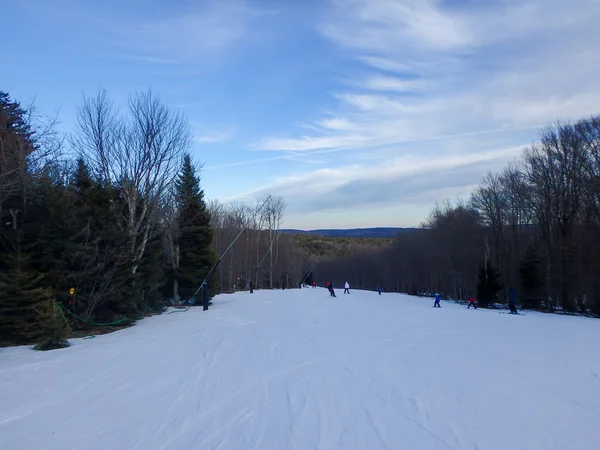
{"x":251,"y":286}
{"x":472,"y":303}
{"x":437,"y":301}
{"x":331,"y":291}
{"x":512,"y":301}
{"x":346,"y":288}
{"x":314,"y":284}
{"x":379,"y":290}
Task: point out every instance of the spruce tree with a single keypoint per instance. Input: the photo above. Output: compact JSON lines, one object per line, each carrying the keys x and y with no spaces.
{"x":195,"y":233}
{"x":24,"y":313}
{"x":488,"y":285}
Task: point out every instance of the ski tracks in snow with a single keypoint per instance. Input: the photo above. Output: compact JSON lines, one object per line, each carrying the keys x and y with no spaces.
{"x":300,"y":370}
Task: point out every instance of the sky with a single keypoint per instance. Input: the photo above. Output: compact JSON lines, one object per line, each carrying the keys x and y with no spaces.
{"x":359,"y":113}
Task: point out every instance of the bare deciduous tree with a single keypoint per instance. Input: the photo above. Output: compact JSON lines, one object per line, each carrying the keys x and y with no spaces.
{"x":273,"y":216}
{"x":141,"y":153}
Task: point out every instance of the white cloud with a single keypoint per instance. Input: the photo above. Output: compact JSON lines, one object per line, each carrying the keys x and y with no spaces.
{"x":386,"y":83}
{"x":204,"y":133}
{"x":214,"y":137}
{"x":338,"y":124}
{"x":500,"y":67}
{"x":385,"y":181}
{"x":196,"y":36}
{"x":442,"y":86}
{"x":310,"y":143}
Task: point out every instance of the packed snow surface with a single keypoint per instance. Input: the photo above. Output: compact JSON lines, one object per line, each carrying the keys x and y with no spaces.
{"x":297,"y":369}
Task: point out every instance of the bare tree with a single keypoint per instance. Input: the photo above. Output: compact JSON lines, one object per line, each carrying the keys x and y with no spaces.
{"x":555,"y":169}
{"x":273,"y":217}
{"x":490,"y":201}
{"x":169,"y":218}
{"x":141,"y":153}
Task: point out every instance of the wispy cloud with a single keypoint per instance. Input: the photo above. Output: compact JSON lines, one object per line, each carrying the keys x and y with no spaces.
{"x":205,"y":133}
{"x":493,"y":79}
{"x":482,"y":73}
{"x":144,"y":58}
{"x":214,"y":137}
{"x":394,"y":180}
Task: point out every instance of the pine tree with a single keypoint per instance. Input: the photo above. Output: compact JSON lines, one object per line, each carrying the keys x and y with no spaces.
{"x":195,"y":234}
{"x":488,"y":285}
{"x":48,"y":231}
{"x":24,"y":314}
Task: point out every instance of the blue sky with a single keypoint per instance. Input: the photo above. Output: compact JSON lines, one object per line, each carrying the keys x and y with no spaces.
{"x":358,"y":112}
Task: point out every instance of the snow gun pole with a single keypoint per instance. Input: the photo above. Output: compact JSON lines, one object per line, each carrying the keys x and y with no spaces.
{"x":262,"y":260}
{"x":287,"y":272}
{"x":204,"y":285}
{"x":310,"y":269}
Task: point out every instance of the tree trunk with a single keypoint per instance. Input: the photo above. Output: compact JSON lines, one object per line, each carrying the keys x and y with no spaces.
{"x":175,"y":279}
{"x":175,"y":291}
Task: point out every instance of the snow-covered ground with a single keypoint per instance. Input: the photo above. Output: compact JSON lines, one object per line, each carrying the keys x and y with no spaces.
{"x":300,"y":370}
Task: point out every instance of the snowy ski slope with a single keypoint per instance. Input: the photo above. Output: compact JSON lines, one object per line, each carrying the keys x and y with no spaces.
{"x":300,"y":370}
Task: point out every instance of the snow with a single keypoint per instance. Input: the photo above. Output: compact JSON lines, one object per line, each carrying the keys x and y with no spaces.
{"x":297,"y":369}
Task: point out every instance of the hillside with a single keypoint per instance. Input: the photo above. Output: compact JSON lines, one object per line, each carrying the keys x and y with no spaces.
{"x":381,"y":232}
{"x":297,"y":369}
{"x":314,"y":244}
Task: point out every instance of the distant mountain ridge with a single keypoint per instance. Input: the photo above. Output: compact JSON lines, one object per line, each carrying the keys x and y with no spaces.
{"x":379,"y":232}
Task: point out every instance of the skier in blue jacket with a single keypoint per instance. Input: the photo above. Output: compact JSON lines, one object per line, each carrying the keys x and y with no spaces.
{"x":437,"y":301}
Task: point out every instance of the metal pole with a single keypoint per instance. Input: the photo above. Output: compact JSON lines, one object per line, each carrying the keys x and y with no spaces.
{"x":310,"y":269}
{"x":204,"y":283}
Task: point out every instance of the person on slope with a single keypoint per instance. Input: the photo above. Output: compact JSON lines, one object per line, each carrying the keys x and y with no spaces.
{"x":472,"y":303}
{"x":436,"y":304}
{"x":379,"y":290}
{"x":346,"y":288}
{"x":314,"y":285}
{"x":331,"y":291}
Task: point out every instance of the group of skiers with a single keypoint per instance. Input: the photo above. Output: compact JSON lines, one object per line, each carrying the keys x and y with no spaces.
{"x":512,"y":296}
{"x":329,"y":286}
{"x":512,"y":301}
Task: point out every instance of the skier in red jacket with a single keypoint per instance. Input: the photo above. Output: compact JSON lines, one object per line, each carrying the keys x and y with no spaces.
{"x":472,"y":303}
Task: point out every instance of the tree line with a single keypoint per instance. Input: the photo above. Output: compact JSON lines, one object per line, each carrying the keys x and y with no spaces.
{"x":532,"y":227}
{"x":110,"y":222}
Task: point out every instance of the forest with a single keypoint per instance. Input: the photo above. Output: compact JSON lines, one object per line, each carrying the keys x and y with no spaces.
{"x":533,"y":227}
{"x":110,"y":223}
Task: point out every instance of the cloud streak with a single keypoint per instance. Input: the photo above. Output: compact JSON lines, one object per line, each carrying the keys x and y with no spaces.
{"x":455,"y":75}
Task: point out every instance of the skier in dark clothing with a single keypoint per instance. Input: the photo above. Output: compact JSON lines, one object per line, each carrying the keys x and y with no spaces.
{"x":379,"y":290}
{"x":512,"y":301}
{"x":436,"y":304}
{"x":330,"y":287}
{"x":251,"y":286}
{"x":472,"y":303}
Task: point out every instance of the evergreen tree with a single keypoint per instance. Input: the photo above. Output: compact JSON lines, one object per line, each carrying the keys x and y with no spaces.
{"x":24,"y":313}
{"x":488,"y":285}
{"x":195,"y":234}
{"x":99,"y":264}
{"x":16,"y":145}
{"x":49,"y":230}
